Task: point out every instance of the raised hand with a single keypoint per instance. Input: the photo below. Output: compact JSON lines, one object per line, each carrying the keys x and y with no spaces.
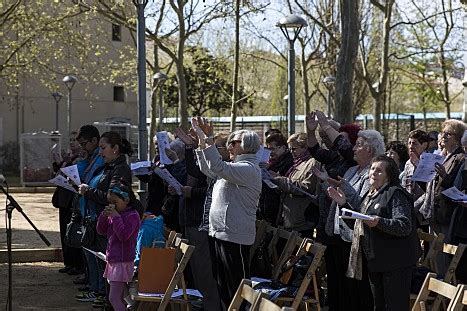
{"x":322,"y":119}
{"x":206,"y":126}
{"x":187,"y":140}
{"x":441,"y":170}
{"x":311,"y":122}
{"x":337,"y":195}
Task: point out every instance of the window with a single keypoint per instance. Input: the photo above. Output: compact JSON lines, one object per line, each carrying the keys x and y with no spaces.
{"x":116,"y":32}
{"x":119,"y":94}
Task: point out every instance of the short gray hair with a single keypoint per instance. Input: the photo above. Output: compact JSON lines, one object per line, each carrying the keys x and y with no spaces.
{"x":249,"y":140}
{"x":374,"y":140}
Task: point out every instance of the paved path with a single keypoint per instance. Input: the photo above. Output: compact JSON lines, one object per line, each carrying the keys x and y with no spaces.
{"x":36,"y":286}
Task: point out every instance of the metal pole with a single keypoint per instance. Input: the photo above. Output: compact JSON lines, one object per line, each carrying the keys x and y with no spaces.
{"x":464,"y":82}
{"x":329,"y":103}
{"x":161,"y":110}
{"x":142,"y":123}
{"x":69,"y":113}
{"x":56,"y":115}
{"x":291,"y":90}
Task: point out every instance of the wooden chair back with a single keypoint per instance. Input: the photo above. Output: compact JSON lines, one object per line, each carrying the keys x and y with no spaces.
{"x":308,"y":247}
{"x":434,"y":244}
{"x":245,"y":292}
{"x":460,"y":302}
{"x":456,"y":251}
{"x":268,"y":305}
{"x":184,"y":252}
{"x":431,"y":285}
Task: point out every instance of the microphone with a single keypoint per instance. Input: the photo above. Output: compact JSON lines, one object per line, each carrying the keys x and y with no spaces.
{"x":2,"y":179}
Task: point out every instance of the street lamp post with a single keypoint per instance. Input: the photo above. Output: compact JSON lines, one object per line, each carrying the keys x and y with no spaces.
{"x":329,"y":82}
{"x":290,"y":26}
{"x":57,"y":97}
{"x":142,"y":123}
{"x":69,"y":83}
{"x":160,"y":78}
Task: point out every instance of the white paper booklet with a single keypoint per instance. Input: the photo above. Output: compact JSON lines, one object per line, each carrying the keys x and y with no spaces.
{"x":163,"y":143}
{"x":455,"y":194}
{"x":349,"y":214}
{"x":72,"y":173}
{"x":141,"y":168}
{"x":263,"y":154}
{"x":61,"y":181}
{"x":97,"y":254}
{"x":166,"y":176}
{"x":425,"y":170}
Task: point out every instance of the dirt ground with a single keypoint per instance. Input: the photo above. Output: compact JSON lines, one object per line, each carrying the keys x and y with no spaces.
{"x":36,"y":286}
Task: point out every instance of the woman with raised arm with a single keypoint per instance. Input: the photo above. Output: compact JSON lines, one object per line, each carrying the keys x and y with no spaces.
{"x":235,"y":197}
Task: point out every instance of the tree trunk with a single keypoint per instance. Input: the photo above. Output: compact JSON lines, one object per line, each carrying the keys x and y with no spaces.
{"x":153,"y":125}
{"x":446,"y":97}
{"x":182,"y":89}
{"x":378,"y":103}
{"x":233,"y":110}
{"x":346,"y":61}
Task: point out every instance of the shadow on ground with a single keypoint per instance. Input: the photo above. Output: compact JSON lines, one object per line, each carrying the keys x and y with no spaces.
{"x":39,"y":286}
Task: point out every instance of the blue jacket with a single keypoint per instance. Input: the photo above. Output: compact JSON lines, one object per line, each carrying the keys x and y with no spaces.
{"x":87,"y":168}
{"x":152,"y":229}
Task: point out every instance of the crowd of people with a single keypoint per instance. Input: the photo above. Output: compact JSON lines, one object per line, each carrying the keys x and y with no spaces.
{"x":307,"y":181}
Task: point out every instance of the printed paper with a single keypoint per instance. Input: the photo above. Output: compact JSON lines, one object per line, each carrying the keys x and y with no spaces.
{"x":455,"y":194}
{"x":425,"y":170}
{"x":61,"y":181}
{"x":167,"y":177}
{"x":72,"y":173}
{"x":349,"y":214}
{"x":163,"y":143}
{"x":141,"y":168}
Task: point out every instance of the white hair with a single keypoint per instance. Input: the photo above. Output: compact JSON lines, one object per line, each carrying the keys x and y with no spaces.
{"x":249,"y":140}
{"x":374,"y":140}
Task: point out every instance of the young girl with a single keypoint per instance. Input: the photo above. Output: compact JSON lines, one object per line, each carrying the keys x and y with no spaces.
{"x":120,"y":222}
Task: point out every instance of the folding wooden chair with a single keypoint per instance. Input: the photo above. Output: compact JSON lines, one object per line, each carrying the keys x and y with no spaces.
{"x":307,"y":247}
{"x":286,"y":250}
{"x":261,"y":229}
{"x":245,"y":292}
{"x":431,"y":285}
{"x":435,"y":243}
{"x":460,"y":302}
{"x":456,"y":252}
{"x":149,"y":302}
{"x":268,"y":305}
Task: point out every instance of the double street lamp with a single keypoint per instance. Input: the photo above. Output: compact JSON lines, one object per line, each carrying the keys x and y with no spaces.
{"x":290,"y":26}
{"x":57,"y":97}
{"x":70,"y":82}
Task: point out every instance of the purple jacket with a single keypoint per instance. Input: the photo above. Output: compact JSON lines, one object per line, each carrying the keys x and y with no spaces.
{"x":122,"y":231}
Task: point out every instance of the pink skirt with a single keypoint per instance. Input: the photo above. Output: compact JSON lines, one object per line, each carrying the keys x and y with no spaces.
{"x":119,"y":271}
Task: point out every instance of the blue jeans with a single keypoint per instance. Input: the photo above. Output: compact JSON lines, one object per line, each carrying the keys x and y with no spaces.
{"x":95,"y":278}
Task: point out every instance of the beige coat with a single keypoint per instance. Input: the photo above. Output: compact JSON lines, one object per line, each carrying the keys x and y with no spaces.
{"x":294,"y":200}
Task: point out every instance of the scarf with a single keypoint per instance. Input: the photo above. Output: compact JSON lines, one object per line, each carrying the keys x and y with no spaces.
{"x":354,"y":269}
{"x":296,"y":162}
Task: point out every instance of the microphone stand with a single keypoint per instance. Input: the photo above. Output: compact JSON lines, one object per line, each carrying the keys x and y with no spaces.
{"x":12,"y":205}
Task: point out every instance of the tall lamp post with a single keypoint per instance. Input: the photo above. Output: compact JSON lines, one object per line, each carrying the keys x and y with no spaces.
{"x":329,"y":82}
{"x":69,"y":83}
{"x":57,"y":97}
{"x":290,"y":26}
{"x":160,"y":78}
{"x":142,"y":122}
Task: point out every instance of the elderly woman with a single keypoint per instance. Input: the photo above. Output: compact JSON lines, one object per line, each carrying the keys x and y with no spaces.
{"x":354,"y":294}
{"x":235,"y":197}
{"x":297,"y":182}
{"x":388,"y":242}
{"x":446,"y":173}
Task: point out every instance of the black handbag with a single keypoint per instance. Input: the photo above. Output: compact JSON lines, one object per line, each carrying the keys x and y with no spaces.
{"x":88,"y":236}
{"x":62,"y":197}
{"x":79,"y":234}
